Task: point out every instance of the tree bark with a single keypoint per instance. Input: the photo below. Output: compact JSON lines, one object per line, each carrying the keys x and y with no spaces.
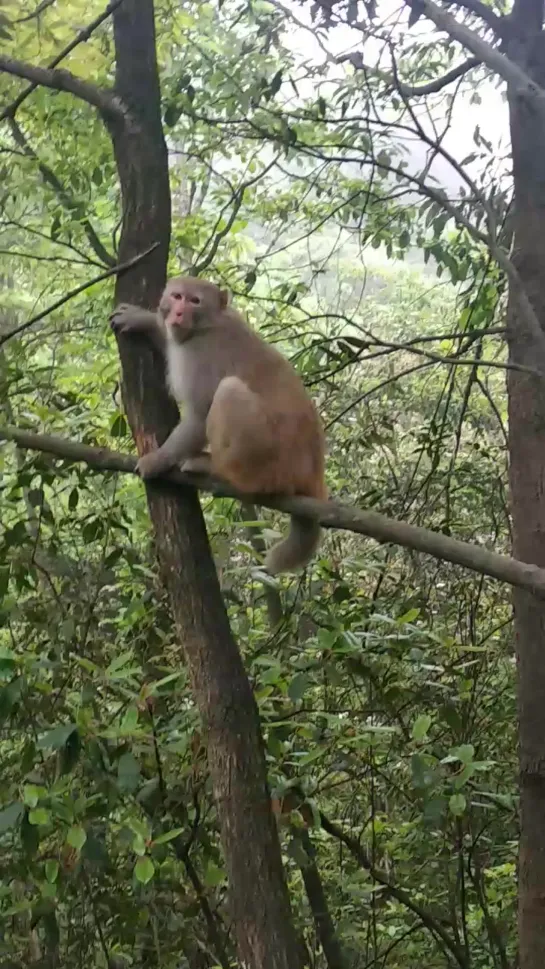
{"x":527,"y":476}
{"x":261,"y":911}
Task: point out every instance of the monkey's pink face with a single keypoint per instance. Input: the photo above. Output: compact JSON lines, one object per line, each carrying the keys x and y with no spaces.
{"x":181,"y":310}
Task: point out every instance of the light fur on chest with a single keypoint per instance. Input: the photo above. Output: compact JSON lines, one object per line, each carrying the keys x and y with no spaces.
{"x":178,"y":372}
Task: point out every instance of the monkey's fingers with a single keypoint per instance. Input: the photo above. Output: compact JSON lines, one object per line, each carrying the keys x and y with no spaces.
{"x":120,"y":314}
{"x":150,"y":465}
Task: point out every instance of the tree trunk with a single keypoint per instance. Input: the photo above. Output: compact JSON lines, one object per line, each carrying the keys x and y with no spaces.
{"x":261,"y":911}
{"x":527,"y":476}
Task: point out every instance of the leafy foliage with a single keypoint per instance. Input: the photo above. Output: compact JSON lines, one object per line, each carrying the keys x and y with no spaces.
{"x":386,"y":693}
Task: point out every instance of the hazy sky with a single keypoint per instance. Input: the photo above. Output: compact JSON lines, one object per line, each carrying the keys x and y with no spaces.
{"x":490,"y":115}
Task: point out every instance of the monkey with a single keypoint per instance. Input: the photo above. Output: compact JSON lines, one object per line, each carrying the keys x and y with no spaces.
{"x":247,"y":417}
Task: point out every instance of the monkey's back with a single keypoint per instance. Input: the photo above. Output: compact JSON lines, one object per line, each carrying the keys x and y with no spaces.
{"x":263,"y":428}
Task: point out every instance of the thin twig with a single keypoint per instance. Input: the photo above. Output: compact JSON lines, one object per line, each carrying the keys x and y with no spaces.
{"x":114,"y":271}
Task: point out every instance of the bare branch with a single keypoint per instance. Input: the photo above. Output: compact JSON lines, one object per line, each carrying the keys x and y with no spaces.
{"x":80,"y":38}
{"x":330,"y":514}
{"x":106,"y":101}
{"x":36,"y":13}
{"x":496,"y":61}
{"x":433,"y":87}
{"x":452,"y":361}
{"x":114,"y":271}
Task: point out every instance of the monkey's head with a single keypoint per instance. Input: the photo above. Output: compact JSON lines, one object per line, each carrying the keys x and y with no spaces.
{"x":188,"y":304}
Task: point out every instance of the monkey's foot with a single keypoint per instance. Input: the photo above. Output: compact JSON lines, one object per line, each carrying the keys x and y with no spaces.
{"x":200,"y":464}
{"x":152,"y":464}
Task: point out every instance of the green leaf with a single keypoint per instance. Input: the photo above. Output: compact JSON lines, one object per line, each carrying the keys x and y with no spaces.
{"x":144,"y":870}
{"x":10,"y":815}
{"x":51,"y":870}
{"x":39,"y":815}
{"x":213,"y":875}
{"x":421,"y":726}
{"x":457,"y":804}
{"x":76,"y":837}
{"x":409,"y":616}
{"x":9,"y":696}
{"x":119,"y":426}
{"x":128,"y":772}
{"x":168,"y":836}
{"x":130,"y":721}
{"x":172,"y":114}
{"x":139,"y":845}
{"x":298,"y":687}
{"x":92,"y":530}
{"x":32,"y":794}
{"x":56,"y":738}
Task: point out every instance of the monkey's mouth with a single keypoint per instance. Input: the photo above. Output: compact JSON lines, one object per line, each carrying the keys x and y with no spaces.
{"x":181,"y":332}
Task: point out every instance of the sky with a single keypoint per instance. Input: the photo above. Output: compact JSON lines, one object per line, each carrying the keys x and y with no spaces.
{"x":490,"y":114}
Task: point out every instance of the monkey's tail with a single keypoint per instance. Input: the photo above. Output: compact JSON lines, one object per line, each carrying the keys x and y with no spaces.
{"x":297,"y":549}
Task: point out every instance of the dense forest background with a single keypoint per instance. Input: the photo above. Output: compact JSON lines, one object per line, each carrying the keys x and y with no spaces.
{"x":356,"y":215}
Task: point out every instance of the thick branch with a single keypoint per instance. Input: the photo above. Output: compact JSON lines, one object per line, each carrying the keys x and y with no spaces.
{"x":497,"y":62}
{"x":433,"y":87}
{"x":106,"y":101}
{"x":330,"y":514}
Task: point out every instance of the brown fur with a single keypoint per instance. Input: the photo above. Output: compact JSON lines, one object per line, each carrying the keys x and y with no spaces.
{"x":261,"y":426}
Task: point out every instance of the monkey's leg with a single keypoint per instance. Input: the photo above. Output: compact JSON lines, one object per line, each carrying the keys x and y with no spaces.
{"x":242,"y":444}
{"x":237,"y":423}
{"x":187,"y":440}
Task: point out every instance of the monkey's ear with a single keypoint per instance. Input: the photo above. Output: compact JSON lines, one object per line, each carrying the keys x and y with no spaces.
{"x":224,"y":298}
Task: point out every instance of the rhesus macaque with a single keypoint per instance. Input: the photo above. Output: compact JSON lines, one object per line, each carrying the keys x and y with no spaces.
{"x":241,"y":399}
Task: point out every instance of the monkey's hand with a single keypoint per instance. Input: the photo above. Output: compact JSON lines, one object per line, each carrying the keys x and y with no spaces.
{"x":153,"y":463}
{"x":126,"y":318}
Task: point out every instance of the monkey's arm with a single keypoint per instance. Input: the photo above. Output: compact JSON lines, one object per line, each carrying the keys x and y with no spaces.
{"x":186,"y":441}
{"x":133,"y":319}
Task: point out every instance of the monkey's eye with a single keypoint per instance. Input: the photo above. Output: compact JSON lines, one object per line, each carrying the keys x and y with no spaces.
{"x":176,"y":295}
{"x":194,"y":299}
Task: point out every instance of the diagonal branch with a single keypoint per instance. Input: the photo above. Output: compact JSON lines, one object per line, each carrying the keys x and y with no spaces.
{"x":109,"y":105}
{"x":64,"y":196}
{"x":330,"y":514}
{"x":433,"y":924}
{"x":433,"y":87}
{"x":80,"y":38}
{"x":496,"y":61}
{"x":113,"y":271}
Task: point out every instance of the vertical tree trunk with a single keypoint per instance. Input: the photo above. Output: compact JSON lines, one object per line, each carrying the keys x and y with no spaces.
{"x":527,"y":476}
{"x":261,"y":911}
